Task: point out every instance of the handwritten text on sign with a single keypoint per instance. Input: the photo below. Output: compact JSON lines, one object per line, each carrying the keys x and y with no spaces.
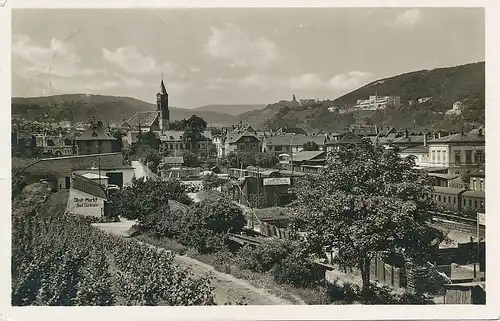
{"x":86,"y":202}
{"x":277,"y":181}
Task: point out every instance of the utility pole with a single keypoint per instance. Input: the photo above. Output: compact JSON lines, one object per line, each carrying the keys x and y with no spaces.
{"x":258,"y":187}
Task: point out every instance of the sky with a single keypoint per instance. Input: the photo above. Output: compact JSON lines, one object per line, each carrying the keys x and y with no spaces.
{"x":234,"y":56}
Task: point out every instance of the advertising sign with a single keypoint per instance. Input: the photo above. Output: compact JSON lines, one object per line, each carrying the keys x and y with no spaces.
{"x":276,"y":181}
{"x":481,"y":219}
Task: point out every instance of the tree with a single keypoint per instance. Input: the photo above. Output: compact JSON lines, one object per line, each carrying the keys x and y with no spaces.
{"x":207,"y":224}
{"x":191,"y":159}
{"x":367,"y":200}
{"x":151,"y":157}
{"x":147,"y":197}
{"x":148,"y":139}
{"x":311,"y":146}
{"x":193,"y":129}
{"x":211,"y":181}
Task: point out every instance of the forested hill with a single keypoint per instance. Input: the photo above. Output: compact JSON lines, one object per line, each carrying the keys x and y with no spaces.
{"x":442,"y":87}
{"x":82,"y":107}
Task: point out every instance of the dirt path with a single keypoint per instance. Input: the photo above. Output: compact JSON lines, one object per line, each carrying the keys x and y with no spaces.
{"x":227,"y":287}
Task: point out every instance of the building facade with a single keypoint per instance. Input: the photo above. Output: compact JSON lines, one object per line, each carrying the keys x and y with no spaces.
{"x":94,"y":140}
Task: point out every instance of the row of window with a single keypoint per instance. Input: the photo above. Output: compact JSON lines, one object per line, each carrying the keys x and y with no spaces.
{"x":477,"y":186}
{"x":453,"y":199}
{"x":184,"y":146}
{"x":439,"y":156}
{"x":246,"y":146}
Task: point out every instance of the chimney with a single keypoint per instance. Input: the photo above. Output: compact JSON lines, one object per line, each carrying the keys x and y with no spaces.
{"x":406,"y":133}
{"x":480,"y":131}
{"x":462,"y":130}
{"x":425,"y":138}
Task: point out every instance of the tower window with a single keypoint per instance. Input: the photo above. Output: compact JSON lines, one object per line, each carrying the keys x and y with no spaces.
{"x":94,"y":134}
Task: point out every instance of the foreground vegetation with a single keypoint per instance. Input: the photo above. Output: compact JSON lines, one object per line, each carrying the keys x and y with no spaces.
{"x":63,"y":261}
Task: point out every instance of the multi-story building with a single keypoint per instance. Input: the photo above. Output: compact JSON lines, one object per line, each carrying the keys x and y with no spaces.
{"x":458,"y":153}
{"x":377,"y":102}
{"x":95,"y":140}
{"x":291,"y":143}
{"x":242,"y":142}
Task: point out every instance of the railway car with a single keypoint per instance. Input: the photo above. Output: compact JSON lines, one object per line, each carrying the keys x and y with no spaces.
{"x":456,"y":200}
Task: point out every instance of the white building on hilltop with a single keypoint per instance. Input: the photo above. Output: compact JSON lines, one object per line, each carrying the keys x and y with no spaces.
{"x":378,"y":102}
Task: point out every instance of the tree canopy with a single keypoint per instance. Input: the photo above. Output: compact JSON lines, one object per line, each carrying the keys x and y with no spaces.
{"x":311,"y":146}
{"x":193,"y":129}
{"x":366,"y":201}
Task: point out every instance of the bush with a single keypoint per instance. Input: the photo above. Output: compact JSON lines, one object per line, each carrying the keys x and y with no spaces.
{"x":294,"y":270}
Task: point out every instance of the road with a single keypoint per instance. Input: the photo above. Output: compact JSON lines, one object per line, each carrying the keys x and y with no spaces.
{"x":227,"y":287}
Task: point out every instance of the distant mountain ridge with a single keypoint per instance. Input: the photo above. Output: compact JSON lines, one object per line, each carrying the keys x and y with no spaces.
{"x":444,"y":87}
{"x":230,"y":109}
{"x":82,"y":107}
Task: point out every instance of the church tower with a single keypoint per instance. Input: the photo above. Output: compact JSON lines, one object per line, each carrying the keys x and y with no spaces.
{"x":162,"y":104}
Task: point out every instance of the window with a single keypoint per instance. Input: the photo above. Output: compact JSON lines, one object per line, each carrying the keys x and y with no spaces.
{"x":454,"y":200}
{"x":481,"y":185}
{"x":439,"y":156}
{"x":468,"y":156}
{"x":464,"y":202}
{"x":458,"y":157}
{"x":470,"y":203}
{"x":474,"y":184}
{"x":433,"y":156}
{"x":444,"y":157}
{"x":475,"y":204}
{"x":449,"y":199}
{"x":444,"y":199}
{"x":439,"y":198}
{"x":478,"y":157}
{"x":171,"y":146}
{"x":94,"y":134}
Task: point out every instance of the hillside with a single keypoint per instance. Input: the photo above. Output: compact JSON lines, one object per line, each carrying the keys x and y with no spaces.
{"x":444,"y":86}
{"x":81,"y":107}
{"x":230,"y":109}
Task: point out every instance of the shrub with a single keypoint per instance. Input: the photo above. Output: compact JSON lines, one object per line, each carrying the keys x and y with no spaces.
{"x":294,"y":270}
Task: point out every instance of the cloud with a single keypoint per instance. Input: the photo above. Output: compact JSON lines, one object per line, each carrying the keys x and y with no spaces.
{"x":350,"y":80}
{"x":407,"y":18}
{"x":58,"y":59}
{"x":309,"y":81}
{"x":217,"y":83}
{"x":231,"y":44}
{"x":57,"y":68}
{"x":132,"y":61}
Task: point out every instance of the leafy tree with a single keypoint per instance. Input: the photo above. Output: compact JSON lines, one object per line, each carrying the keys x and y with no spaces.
{"x":367,"y":200}
{"x":147,"y":197}
{"x":193,"y":129}
{"x":151,"y":157}
{"x":207,"y":223}
{"x":176,"y":125}
{"x":211,"y":181}
{"x":311,"y":146}
{"x":190,"y":159}
{"x":148,"y":139}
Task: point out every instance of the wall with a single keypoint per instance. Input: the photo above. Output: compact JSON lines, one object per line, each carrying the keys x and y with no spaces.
{"x":91,"y":147}
{"x":84,"y":204}
{"x":128,"y":173}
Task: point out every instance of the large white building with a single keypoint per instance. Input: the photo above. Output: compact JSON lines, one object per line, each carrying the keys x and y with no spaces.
{"x":378,"y":102}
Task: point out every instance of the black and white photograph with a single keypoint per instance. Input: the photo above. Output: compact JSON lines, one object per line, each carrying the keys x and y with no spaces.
{"x":248,"y":156}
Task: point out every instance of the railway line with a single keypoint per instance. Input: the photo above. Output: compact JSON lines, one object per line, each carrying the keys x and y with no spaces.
{"x":458,"y":223}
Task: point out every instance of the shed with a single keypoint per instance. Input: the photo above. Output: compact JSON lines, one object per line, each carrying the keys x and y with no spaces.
{"x":465,"y":293}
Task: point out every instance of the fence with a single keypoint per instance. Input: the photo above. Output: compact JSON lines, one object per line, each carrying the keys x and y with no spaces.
{"x":387,"y":274}
{"x":273,"y":231}
{"x":464,"y":253}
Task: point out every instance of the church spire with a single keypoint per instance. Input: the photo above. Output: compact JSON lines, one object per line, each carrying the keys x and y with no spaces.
{"x":163,"y":90}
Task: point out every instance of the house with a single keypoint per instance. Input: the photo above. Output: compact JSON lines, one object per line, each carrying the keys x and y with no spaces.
{"x":408,"y":141}
{"x":242,"y":142}
{"x":420,"y":153}
{"x":478,"y":179}
{"x":291,"y":143}
{"x":94,"y":140}
{"x":58,"y":170}
{"x":458,"y":153}
{"x":348,"y":139}
{"x":304,"y":161}
{"x":171,"y":162}
{"x":86,"y":197}
{"x":364,"y":130}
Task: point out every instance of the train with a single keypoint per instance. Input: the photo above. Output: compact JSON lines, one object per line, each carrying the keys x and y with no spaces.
{"x":461,"y":201}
